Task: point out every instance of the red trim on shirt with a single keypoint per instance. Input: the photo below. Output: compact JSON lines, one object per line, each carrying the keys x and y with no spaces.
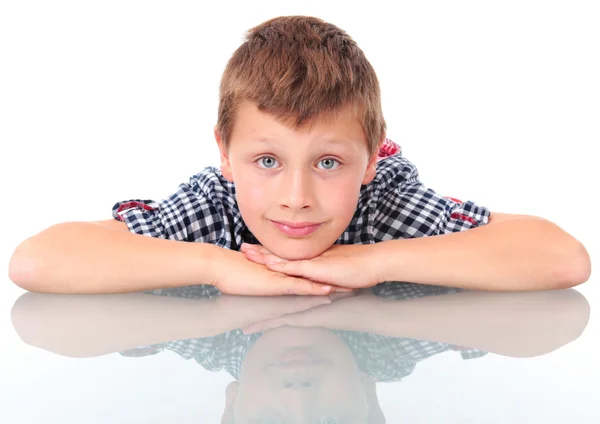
{"x":454,"y":200}
{"x":456,"y":215}
{"x":388,"y":148}
{"x":130,"y":205}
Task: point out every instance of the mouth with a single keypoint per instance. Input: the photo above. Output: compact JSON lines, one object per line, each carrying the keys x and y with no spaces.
{"x":298,"y":358}
{"x":296,"y":229}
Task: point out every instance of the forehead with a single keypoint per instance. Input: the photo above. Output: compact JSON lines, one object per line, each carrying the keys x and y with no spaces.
{"x":333,"y":128}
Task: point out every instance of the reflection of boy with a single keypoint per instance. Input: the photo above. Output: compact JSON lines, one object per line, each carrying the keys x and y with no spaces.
{"x":340,"y":383}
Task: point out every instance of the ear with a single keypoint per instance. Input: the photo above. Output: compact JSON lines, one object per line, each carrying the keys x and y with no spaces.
{"x":225,"y":163}
{"x":372,"y":164}
{"x":230,"y":396}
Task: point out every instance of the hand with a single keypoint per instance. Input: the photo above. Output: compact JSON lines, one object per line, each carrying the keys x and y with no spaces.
{"x":240,"y":311}
{"x":343,"y":265}
{"x":237,"y":275}
{"x":345,"y":313}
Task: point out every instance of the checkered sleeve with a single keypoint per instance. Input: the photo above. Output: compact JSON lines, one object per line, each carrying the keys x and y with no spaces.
{"x":406,"y":208}
{"x":186,"y":215}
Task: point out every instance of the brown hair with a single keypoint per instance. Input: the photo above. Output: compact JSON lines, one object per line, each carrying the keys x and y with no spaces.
{"x":302,"y":68}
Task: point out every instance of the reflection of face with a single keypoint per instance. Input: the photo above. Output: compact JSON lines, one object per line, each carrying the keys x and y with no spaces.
{"x":308,"y":175}
{"x":297,"y":375}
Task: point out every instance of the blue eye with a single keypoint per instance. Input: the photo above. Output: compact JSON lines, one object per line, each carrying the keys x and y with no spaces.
{"x":268,"y":162}
{"x":329,"y":163}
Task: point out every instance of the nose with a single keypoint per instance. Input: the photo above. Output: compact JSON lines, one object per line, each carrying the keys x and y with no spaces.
{"x":301,"y":394}
{"x":296,"y":190}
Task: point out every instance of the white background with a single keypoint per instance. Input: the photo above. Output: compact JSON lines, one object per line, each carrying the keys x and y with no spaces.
{"x":495,"y":102}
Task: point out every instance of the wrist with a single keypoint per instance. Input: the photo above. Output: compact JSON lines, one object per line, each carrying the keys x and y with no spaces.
{"x":207,"y":263}
{"x":384,"y":254}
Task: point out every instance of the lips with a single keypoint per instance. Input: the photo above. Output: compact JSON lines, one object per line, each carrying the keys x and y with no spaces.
{"x":297,"y":224}
{"x":298,"y":357}
{"x":296,"y":229}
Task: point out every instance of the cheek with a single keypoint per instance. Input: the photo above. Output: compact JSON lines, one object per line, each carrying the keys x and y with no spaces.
{"x":255,"y":396}
{"x":341,"y":198}
{"x":252,"y":196}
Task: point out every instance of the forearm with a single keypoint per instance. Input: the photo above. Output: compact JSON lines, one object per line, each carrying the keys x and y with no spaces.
{"x":514,"y":255}
{"x":82,"y":257}
{"x":510,"y":324}
{"x":92,"y":325}
{"x":84,"y":326}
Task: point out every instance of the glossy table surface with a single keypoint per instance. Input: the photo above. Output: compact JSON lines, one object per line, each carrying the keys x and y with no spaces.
{"x":397,"y":352}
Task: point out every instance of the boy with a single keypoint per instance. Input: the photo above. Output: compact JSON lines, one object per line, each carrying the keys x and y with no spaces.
{"x":301,"y":204}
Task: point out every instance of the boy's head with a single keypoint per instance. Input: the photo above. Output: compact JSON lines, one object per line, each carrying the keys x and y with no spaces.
{"x":301,"y":375}
{"x":299,"y":127}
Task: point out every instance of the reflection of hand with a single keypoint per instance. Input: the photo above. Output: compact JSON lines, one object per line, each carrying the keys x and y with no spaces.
{"x":236,"y":275}
{"x":248,"y":309}
{"x":343,"y":314}
{"x":342,"y":265}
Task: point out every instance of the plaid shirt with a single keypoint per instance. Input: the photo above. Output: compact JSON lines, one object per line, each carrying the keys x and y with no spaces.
{"x":396,"y":204}
{"x":381,"y":357}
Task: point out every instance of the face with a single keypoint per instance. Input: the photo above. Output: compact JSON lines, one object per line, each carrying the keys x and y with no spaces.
{"x":297,"y":190}
{"x":300,"y":375}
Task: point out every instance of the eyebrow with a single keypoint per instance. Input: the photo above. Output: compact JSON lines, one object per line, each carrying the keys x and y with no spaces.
{"x":335,"y":141}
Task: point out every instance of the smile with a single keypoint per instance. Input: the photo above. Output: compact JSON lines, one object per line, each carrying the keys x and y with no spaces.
{"x":296,"y":229}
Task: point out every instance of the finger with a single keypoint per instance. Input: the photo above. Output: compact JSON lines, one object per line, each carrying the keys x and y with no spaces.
{"x":298,"y":319}
{"x":303,"y":303}
{"x":301,"y":269}
{"x":307,"y":269}
{"x":268,"y":324}
{"x":272,"y":259}
{"x":258,"y":327}
{"x":339,"y":289}
{"x":342,"y":295}
{"x":263,"y":250}
{"x":295,"y":268}
{"x":294,"y":285}
{"x":246,"y":247}
{"x":300,"y":304}
{"x":291,"y":304}
{"x":263,"y":258}
{"x":255,"y":257}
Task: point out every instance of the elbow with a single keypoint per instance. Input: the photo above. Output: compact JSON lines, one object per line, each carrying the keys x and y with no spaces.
{"x":21,"y":268}
{"x":583,"y":269}
{"x":578,"y":269}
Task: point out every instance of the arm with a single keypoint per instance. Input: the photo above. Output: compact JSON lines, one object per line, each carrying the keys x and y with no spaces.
{"x":92,"y":325}
{"x":445,"y":241}
{"x":87,"y":257}
{"x":510,"y":253}
{"x":523,"y":253}
{"x":104,"y":257}
{"x":510,"y":324}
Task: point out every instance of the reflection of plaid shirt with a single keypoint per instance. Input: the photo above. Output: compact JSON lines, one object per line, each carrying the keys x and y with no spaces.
{"x":396,"y":204}
{"x":383,"y":358}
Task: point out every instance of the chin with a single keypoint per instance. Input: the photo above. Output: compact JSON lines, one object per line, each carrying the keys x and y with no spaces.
{"x":295,"y":252}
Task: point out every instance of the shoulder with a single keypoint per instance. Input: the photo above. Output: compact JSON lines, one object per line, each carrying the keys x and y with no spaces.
{"x":393,"y":171}
{"x":211,"y":182}
{"x":215,"y":190}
